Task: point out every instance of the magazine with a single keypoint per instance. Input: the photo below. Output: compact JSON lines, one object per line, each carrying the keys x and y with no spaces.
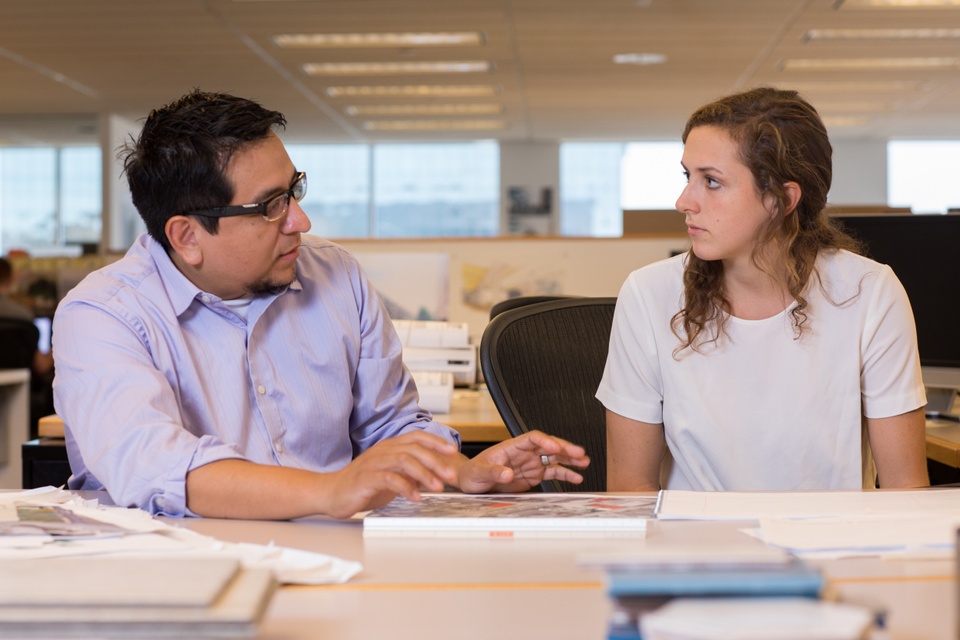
{"x":458,"y":515}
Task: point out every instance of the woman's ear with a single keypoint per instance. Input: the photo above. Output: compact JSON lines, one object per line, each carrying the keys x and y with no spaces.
{"x":794,"y":193}
{"x":182,"y":234}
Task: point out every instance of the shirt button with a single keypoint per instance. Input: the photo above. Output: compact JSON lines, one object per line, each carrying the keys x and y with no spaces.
{"x":205,"y":298}
{"x":261,"y":389}
{"x":279,"y":447}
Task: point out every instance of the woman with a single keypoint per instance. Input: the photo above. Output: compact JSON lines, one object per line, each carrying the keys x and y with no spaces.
{"x":769,"y":356}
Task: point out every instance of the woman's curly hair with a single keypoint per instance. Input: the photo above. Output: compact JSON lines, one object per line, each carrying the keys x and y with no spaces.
{"x":781,"y":139}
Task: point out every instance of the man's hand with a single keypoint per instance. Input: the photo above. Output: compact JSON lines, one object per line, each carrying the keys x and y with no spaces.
{"x":402,"y":465}
{"x":516,"y":465}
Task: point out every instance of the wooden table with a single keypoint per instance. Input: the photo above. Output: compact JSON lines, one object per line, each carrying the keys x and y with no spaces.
{"x":437,"y":589}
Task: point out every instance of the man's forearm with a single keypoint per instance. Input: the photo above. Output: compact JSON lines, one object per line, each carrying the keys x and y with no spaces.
{"x":242,"y":489}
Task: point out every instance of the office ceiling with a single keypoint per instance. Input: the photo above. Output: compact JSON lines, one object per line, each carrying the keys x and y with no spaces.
{"x":64,"y":62}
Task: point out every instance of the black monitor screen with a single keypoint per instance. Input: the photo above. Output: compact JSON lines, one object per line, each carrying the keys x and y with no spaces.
{"x":924,"y":252}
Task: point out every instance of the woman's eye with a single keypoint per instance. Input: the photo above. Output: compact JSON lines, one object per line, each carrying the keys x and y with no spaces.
{"x":712,"y":183}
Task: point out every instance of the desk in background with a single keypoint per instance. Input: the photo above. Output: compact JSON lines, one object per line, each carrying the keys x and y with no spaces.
{"x":475,"y":417}
{"x":441,"y":588}
{"x":472,"y":414}
{"x":14,"y":424}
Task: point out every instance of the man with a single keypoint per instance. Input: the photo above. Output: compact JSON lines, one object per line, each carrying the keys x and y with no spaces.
{"x":229,"y":366}
{"x":42,"y":365}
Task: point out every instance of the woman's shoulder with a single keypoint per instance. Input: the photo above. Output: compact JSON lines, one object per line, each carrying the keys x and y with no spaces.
{"x":845,"y":274}
{"x":661,"y":280}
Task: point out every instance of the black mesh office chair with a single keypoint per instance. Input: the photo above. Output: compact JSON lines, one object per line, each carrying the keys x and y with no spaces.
{"x":18,"y":342}
{"x":522,"y":301}
{"x":542,"y":363}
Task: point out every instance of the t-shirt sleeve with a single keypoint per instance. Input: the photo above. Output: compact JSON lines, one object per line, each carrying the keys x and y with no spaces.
{"x":891,"y":382}
{"x":632,"y":384}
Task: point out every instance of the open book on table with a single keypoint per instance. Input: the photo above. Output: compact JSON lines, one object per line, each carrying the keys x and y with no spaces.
{"x":458,"y":515}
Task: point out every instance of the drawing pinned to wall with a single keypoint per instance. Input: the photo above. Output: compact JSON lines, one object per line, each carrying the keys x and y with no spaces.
{"x":485,"y":286}
{"x":412,"y":286}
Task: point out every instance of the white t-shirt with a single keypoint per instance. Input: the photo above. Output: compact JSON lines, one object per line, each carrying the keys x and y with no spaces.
{"x":761,"y":409}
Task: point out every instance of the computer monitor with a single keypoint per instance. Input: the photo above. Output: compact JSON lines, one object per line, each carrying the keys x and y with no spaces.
{"x":43,"y":328}
{"x":924,"y":251}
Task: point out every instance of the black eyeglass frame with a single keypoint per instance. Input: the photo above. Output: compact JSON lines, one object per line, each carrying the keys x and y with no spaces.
{"x":297,"y":191}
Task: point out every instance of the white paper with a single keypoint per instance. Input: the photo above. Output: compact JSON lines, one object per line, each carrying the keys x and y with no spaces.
{"x":756,"y":619}
{"x":148,"y":536}
{"x":752,"y":505}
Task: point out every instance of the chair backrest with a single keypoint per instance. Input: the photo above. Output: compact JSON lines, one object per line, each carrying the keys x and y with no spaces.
{"x":543,"y":363}
{"x":18,"y":342}
{"x":522,"y":301}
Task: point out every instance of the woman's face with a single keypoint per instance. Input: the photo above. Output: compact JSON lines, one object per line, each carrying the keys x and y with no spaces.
{"x":724,"y":212}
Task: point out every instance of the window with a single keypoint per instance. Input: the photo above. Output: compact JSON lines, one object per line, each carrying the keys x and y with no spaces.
{"x":401,"y":190}
{"x":81,"y":196}
{"x":338,"y":188}
{"x":922,"y":174}
{"x":28,"y":198}
{"x":49,"y":198}
{"x":590,"y":189}
{"x":423,"y":190}
{"x":599,"y":180}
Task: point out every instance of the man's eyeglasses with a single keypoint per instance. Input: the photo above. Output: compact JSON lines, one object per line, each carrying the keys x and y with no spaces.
{"x":271,"y":210}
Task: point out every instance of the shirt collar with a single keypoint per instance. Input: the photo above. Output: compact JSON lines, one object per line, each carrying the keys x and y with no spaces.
{"x":181,"y":290}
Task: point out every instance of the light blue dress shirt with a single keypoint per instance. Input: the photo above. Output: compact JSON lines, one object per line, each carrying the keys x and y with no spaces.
{"x":155,"y":377}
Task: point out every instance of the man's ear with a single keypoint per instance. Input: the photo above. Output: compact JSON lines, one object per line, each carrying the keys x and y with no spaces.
{"x":794,"y":192}
{"x":182,"y":233}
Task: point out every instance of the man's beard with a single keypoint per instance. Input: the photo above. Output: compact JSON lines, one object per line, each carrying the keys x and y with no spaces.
{"x":268,"y":288}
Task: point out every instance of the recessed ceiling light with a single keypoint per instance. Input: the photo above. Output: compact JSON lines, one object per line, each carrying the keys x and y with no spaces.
{"x":880,"y":34}
{"x":393,"y":68}
{"x":360,"y":40}
{"x":433,"y":125}
{"x":413,"y":91}
{"x":895,"y":4}
{"x":867,"y":64}
{"x":424,"y":109}
{"x":639,"y":58}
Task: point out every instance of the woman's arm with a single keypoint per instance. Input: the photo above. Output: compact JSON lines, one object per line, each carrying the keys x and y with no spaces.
{"x":900,"y":449}
{"x":634,"y":453}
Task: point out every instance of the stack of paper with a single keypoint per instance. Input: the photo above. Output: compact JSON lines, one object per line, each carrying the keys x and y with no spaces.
{"x":431,"y":345}
{"x":175,"y":597}
{"x":754,"y":618}
{"x":832,"y":523}
{"x":72,"y":567}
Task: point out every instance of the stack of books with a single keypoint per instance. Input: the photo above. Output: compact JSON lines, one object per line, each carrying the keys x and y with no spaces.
{"x":157,"y":596}
{"x":689,"y":594}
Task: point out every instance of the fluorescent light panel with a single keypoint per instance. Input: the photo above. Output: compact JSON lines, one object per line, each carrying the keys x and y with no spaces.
{"x":433,"y":125}
{"x":393,"y":68}
{"x":414,"y":91}
{"x":367,"y":40}
{"x":642,"y":59}
{"x":465,"y":109}
{"x":881,"y":34}
{"x":868,"y":64}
